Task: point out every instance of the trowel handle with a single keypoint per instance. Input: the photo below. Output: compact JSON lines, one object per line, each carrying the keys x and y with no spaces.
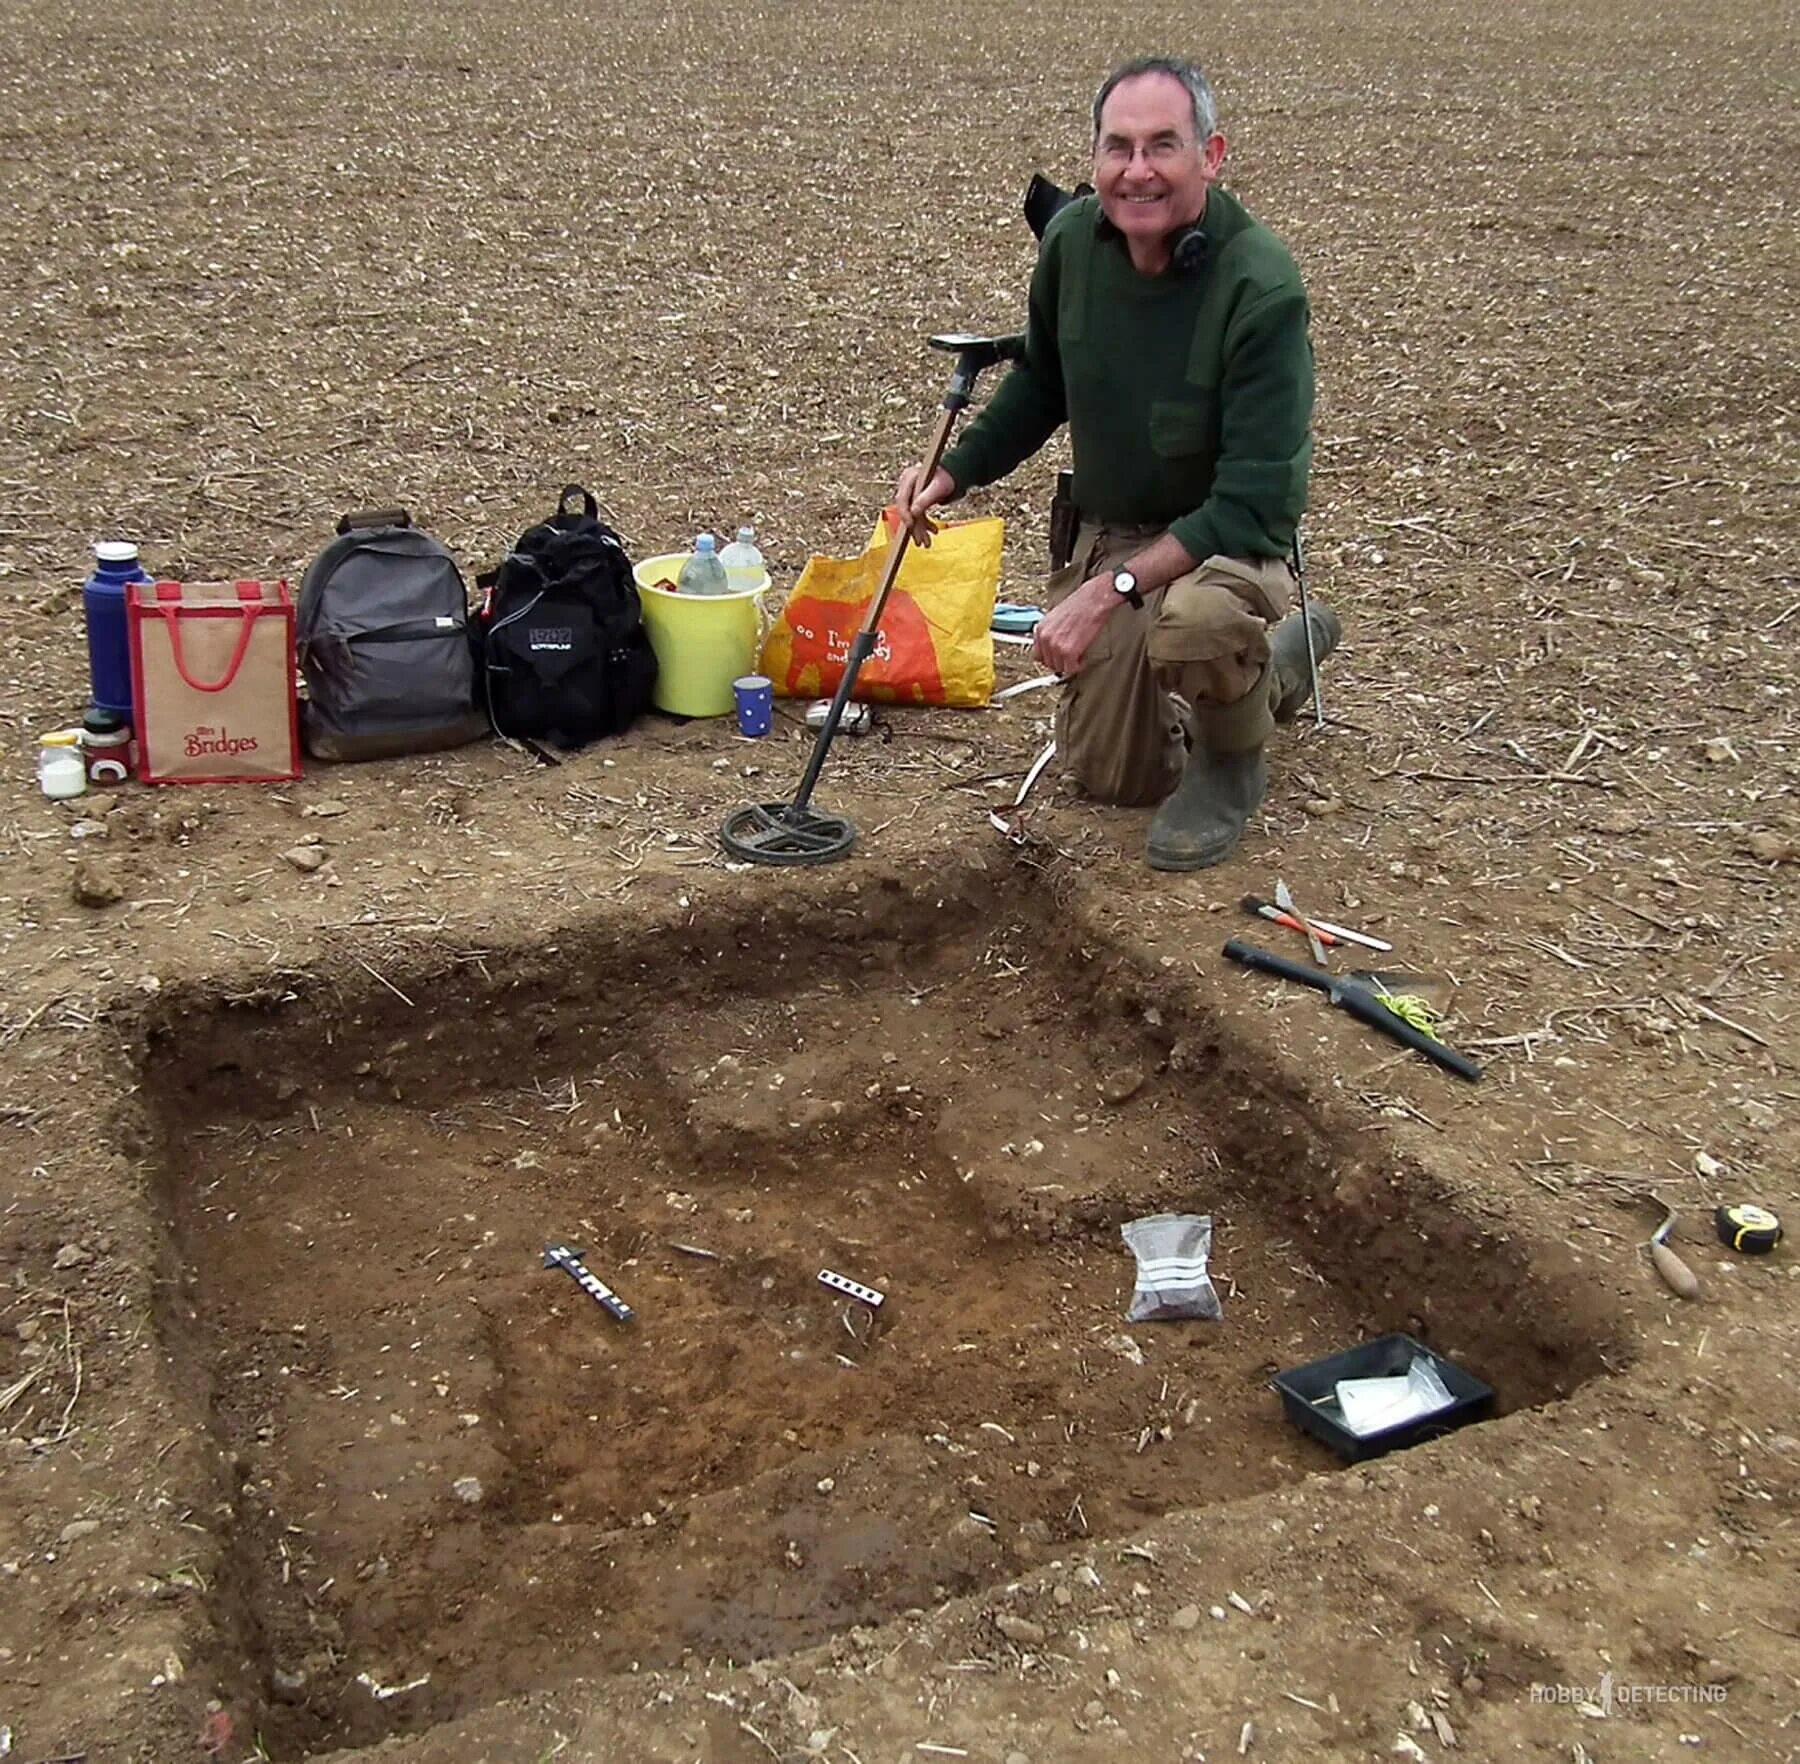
{"x":1677,"y":1276}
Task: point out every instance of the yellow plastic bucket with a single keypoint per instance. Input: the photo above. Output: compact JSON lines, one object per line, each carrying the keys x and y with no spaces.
{"x":702,"y":641}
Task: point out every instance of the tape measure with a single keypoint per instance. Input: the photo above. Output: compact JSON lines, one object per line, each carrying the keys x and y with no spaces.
{"x":1753,"y":1230}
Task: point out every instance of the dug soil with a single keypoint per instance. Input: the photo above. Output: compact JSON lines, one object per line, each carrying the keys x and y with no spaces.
{"x":305,"y":1452}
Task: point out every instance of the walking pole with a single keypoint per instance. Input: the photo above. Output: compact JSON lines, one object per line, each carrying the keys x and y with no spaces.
{"x":1312,"y":660}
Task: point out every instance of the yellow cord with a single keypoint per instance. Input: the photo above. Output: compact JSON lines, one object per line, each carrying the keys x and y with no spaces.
{"x":1410,"y":1008}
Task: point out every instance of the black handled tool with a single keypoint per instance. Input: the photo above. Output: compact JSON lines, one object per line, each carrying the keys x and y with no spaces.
{"x":1360,"y":1001}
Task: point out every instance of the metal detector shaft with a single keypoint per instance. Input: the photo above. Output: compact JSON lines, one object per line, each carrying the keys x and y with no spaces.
{"x":973,"y":354}
{"x":867,"y":633}
{"x":794,"y":832}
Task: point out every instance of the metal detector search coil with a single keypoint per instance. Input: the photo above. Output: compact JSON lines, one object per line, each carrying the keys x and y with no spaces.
{"x":561,"y":1255}
{"x":854,"y":1288}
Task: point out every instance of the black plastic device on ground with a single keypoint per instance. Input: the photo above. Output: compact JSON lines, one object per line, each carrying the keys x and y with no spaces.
{"x":1751,"y":1230}
{"x":1309,"y":1395}
{"x":1360,"y":1001}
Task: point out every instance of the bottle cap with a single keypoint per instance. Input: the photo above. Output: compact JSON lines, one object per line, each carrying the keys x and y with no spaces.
{"x":745,"y":535}
{"x":704,"y":542}
{"x":60,"y":738}
{"x":116,"y":551}
{"x":100,"y":721}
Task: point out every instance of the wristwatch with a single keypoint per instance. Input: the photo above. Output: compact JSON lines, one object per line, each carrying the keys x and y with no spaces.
{"x":1125,"y":586}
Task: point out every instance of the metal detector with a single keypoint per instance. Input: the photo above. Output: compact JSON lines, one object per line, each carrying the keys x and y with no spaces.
{"x":795,"y":832}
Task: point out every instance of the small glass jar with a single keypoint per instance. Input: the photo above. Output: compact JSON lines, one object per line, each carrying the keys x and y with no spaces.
{"x":62,"y":771}
{"x":106,"y":747}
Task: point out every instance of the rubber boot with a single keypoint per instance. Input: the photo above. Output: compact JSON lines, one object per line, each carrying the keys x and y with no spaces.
{"x":1287,"y":653}
{"x":1200,"y":824}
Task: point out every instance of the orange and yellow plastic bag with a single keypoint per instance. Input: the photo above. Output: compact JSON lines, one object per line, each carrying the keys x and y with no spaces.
{"x":935,"y":644}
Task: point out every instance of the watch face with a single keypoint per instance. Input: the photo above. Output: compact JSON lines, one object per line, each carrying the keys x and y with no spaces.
{"x":1124,"y":582}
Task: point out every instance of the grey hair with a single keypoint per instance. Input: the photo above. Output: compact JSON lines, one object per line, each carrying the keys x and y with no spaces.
{"x":1193,"y":81}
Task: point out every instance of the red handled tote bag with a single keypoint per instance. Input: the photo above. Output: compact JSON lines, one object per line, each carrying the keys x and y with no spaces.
{"x":212,"y":673}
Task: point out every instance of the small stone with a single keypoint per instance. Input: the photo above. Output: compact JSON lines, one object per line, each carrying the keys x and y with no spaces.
{"x":305,"y":858}
{"x":1122,"y":1084}
{"x":29,"y":1329}
{"x":1320,"y":806}
{"x":1017,"y":1758}
{"x":88,"y":830}
{"x":1218,"y":1612}
{"x":289,"y":1687}
{"x":1188,"y":1617}
{"x":467,"y":1489}
{"x":98,"y":881}
{"x":326,"y":809}
{"x":1773,"y":848}
{"x":1708,"y":1166}
{"x":826,"y":1484}
{"x":1719,"y":752}
{"x":1062,"y":1597}
{"x":1019,"y":1629}
{"x":71,"y":1255}
{"x":77,"y":1529}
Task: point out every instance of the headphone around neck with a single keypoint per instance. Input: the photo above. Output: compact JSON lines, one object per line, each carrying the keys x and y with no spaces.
{"x":1188,"y":249}
{"x":1189,"y":246}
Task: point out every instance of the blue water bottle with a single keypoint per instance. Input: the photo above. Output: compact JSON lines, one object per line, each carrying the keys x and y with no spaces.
{"x":109,"y":645}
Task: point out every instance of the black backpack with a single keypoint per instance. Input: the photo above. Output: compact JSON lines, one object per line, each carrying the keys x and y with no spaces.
{"x":382,"y":638}
{"x":563,"y":653}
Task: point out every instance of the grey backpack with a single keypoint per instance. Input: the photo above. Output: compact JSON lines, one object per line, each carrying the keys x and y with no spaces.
{"x":382,"y":635}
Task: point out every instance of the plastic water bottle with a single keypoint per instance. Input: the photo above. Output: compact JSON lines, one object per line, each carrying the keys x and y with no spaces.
{"x":743,"y":563}
{"x":703,"y":573}
{"x":109,"y":647}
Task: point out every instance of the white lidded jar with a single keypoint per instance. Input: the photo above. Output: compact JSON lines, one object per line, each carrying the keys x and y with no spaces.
{"x":62,"y":771}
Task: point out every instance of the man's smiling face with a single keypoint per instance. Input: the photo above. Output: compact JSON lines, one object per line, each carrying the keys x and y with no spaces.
{"x":1150,"y":169}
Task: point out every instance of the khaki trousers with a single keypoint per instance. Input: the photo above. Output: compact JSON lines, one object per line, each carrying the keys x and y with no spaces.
{"x":1204,"y":638}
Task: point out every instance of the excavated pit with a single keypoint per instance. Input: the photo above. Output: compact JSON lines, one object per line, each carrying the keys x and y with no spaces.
{"x":449,"y":1477}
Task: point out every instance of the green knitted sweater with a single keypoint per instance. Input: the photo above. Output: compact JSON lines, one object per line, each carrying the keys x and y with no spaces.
{"x":1188,"y":396}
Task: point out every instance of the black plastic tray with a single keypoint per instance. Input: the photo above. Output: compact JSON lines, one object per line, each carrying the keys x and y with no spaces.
{"x":1388,"y":1356}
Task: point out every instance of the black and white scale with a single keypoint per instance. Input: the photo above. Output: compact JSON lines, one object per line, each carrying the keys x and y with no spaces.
{"x":568,"y":1258}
